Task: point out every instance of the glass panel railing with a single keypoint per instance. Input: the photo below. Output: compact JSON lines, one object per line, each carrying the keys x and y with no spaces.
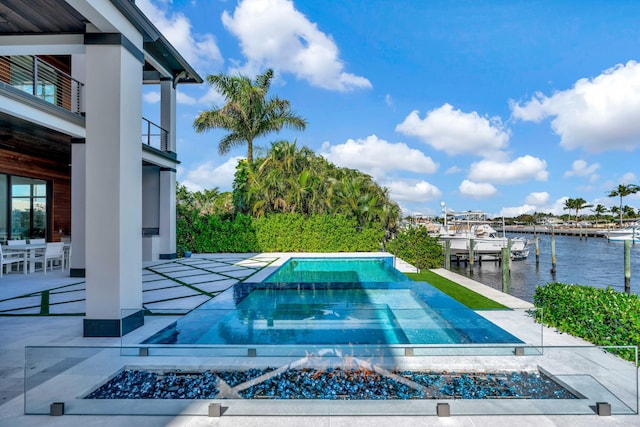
{"x":358,"y":328}
{"x":568,"y":380}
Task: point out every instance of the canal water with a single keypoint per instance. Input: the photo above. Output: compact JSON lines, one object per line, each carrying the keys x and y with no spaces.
{"x":594,"y":261}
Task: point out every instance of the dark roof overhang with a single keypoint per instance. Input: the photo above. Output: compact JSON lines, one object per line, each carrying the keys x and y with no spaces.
{"x":157,"y":45}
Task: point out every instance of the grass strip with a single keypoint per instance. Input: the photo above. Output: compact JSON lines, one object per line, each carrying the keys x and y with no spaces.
{"x":458,"y":292}
{"x":44,"y":305}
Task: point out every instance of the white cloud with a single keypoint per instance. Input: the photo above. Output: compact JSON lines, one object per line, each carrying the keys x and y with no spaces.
{"x":582,"y":168}
{"x":151,"y":97}
{"x":455,"y":132}
{"x":413,"y":192}
{"x":537,"y":198}
{"x":388,"y":100}
{"x":212,"y":97}
{"x":376,"y":156}
{"x":452,"y":170}
{"x":477,"y":190}
{"x":200,"y":50}
{"x":274,"y":34}
{"x":597,"y":114}
{"x":628,"y":178}
{"x":183,"y":98}
{"x":534,"y":202}
{"x":207,"y":175}
{"x":557,"y":208}
{"x":520,"y":170}
{"x":512,"y":212}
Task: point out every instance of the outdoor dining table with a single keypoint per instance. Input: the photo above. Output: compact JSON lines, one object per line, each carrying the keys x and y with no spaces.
{"x":30,"y":249}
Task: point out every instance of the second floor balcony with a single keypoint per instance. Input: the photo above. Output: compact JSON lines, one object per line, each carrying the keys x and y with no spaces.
{"x":44,"y":78}
{"x":155,"y":136}
{"x":48,"y":79}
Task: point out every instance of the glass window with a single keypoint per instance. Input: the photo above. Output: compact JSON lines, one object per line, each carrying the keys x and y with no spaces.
{"x":28,"y":208}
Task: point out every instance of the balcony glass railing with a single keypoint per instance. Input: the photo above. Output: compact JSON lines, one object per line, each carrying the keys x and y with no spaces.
{"x":41,"y":79}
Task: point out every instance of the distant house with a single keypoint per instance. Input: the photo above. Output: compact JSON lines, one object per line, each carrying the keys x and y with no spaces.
{"x":77,"y":159}
{"x":549,"y":221}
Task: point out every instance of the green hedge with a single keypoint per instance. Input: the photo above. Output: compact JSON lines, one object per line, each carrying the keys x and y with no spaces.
{"x":215,"y":234}
{"x":601,"y":316}
{"x":275,"y":233}
{"x":417,"y":247}
{"x":317,"y":233}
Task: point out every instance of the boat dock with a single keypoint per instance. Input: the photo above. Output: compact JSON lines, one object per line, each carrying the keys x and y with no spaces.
{"x":558,"y":231}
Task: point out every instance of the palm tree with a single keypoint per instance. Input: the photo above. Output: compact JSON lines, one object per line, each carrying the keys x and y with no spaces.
{"x":615,"y":210}
{"x":628,"y":211}
{"x":622,"y":191}
{"x":204,"y":201}
{"x":599,"y":210}
{"x":247,"y":114}
{"x":569,"y":205}
{"x":580,"y":204}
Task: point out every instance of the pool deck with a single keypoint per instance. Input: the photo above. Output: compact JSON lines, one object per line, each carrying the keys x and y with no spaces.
{"x":185,"y":284}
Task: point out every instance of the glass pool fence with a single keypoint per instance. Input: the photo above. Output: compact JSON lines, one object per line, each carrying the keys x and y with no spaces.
{"x":330,"y":380}
{"x":284,"y":330}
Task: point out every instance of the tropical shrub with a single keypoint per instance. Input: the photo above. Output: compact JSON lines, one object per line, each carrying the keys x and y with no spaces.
{"x":601,"y":316}
{"x":297,"y":201}
{"x":418,"y":248}
{"x":289,"y":179}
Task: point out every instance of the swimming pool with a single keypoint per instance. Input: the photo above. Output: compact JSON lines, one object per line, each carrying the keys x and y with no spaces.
{"x":337,"y":270}
{"x":316,"y":311}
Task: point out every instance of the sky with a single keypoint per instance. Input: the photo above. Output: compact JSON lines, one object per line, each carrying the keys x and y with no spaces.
{"x":508,"y":107}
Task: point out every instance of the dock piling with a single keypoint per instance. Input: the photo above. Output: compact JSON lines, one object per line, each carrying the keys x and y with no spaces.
{"x":447,"y":254}
{"x":553,"y":253}
{"x":506,"y":256}
{"x":627,"y":267}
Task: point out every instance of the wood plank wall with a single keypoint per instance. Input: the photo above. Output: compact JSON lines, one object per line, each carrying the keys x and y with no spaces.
{"x":59,"y":175}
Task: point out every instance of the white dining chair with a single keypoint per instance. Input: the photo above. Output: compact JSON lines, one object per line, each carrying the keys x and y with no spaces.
{"x":16,"y":242}
{"x":11,"y":258}
{"x":54,"y":252}
{"x":67,"y":256}
{"x":36,"y":256}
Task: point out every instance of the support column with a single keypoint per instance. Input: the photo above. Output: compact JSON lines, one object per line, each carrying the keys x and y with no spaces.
{"x":168,"y":112}
{"x":78,"y":207}
{"x":168,"y":176}
{"x":113,"y":186}
{"x":77,"y":266}
{"x":168,"y":214}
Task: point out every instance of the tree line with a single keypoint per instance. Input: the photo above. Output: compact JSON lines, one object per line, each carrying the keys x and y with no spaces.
{"x":599,"y":210}
{"x":284,"y":178}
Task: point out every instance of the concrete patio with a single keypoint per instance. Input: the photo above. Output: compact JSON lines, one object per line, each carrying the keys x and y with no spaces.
{"x":46,"y":310}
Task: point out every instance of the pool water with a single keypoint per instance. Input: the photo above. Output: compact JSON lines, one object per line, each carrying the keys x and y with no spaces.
{"x":295,"y":307}
{"x":337,"y":270}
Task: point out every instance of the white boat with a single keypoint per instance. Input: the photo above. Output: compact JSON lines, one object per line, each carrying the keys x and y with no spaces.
{"x":630,"y":232}
{"x":486,"y":240}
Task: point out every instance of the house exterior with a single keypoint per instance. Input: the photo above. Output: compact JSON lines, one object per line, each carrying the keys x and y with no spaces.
{"x":77,"y":159}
